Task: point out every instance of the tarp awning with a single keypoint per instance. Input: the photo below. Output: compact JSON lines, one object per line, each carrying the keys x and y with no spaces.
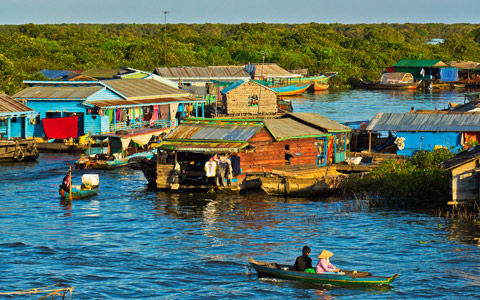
{"x":202,"y":147}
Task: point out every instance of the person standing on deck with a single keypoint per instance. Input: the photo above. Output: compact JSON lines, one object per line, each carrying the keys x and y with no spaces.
{"x":303,"y":262}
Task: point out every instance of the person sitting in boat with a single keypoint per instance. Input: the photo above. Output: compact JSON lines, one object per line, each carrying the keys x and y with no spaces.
{"x":303,"y":262}
{"x":324,"y":264}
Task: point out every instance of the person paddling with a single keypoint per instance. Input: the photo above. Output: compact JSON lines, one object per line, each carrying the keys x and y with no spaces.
{"x":303,"y":262}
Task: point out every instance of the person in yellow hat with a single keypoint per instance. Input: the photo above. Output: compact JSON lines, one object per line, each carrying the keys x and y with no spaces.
{"x":324,"y":264}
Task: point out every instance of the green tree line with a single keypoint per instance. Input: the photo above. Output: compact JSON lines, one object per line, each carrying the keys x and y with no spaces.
{"x":355,"y":51}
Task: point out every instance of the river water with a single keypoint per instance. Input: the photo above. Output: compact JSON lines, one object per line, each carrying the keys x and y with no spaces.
{"x":130,"y":242}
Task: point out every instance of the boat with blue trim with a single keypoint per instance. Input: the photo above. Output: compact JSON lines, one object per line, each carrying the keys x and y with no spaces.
{"x":343,"y":278}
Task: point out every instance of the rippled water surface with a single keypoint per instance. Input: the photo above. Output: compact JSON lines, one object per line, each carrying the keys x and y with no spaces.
{"x":129,"y":242}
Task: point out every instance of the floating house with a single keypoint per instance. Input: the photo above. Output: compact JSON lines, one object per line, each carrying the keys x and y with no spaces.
{"x":104,"y":106}
{"x":468,"y":72}
{"x":426,"y":131}
{"x":269,"y":72}
{"x":463,"y":176}
{"x":254,"y":146}
{"x":15,"y":118}
{"x":427,"y":70}
{"x":247,"y":97}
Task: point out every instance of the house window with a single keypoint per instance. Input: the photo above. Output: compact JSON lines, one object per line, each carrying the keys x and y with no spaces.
{"x":253,"y":100}
{"x":288,"y":156}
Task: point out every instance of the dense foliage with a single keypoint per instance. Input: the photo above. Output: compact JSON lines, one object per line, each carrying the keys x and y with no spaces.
{"x":355,"y":51}
{"x":419,"y":182}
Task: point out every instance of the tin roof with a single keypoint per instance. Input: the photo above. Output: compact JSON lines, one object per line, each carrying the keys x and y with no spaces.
{"x":239,"y":83}
{"x":203,"y":147}
{"x":140,"y":102}
{"x":283,"y":129}
{"x":425,"y":122}
{"x":55,"y":92}
{"x":462,"y":158}
{"x":9,"y":106}
{"x":420,"y":63}
{"x":273,"y":70}
{"x":100,"y":73}
{"x":466,"y":65}
{"x":320,"y":121}
{"x":212,"y":72}
{"x":134,"y":89}
{"x":213,"y":132}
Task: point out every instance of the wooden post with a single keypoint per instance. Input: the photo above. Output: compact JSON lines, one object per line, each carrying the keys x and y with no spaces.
{"x":70,"y":185}
{"x":369,"y":141}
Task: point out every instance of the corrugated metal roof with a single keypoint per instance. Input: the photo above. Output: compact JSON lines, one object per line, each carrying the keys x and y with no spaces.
{"x":8,"y":105}
{"x":273,"y":70}
{"x":102,"y":73}
{"x":207,"y":132}
{"x":123,"y":102}
{"x":466,"y":65}
{"x":208,"y":147}
{"x":212,"y":72}
{"x":420,"y":63}
{"x":462,"y":158}
{"x":55,"y":93}
{"x":320,"y":121}
{"x":144,"y":88}
{"x":282,"y":129}
{"x":425,"y":122}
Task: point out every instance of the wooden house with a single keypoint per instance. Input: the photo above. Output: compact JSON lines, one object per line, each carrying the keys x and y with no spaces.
{"x":426,"y":131}
{"x":258,"y":146}
{"x":105,"y":106}
{"x":464,"y":180}
{"x":16,"y":119}
{"x":247,"y":97}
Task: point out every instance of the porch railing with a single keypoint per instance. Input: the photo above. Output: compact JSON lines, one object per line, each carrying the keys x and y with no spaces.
{"x":144,"y":124}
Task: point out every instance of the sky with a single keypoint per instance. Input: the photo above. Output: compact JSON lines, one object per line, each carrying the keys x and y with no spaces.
{"x":239,"y":11}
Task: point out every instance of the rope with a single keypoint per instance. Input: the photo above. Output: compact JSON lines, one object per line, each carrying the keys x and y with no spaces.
{"x":46,"y":289}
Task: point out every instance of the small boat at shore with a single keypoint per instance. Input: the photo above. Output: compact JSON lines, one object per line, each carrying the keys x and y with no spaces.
{"x":343,"y":278}
{"x":394,"y":80}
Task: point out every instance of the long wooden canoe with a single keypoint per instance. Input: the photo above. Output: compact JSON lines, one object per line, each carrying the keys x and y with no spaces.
{"x":290,"y":90}
{"x":78,"y":192}
{"x":344,"y":278}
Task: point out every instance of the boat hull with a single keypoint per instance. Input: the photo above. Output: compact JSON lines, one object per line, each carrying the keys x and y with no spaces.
{"x":347,"y":279}
{"x":61,"y":147}
{"x":92,"y":163}
{"x":290,"y":90}
{"x":78,"y":193}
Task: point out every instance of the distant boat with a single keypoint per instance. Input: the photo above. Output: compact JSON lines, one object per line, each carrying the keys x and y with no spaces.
{"x":312,"y":79}
{"x":394,"y":80}
{"x":343,"y":278}
{"x":319,"y":86}
{"x":290,"y":90}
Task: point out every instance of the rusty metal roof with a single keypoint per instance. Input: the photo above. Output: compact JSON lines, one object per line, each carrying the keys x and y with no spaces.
{"x":134,"y":89}
{"x":466,"y":65}
{"x":203,"y":147}
{"x":100,"y":73}
{"x":425,"y":122}
{"x":273,"y":70}
{"x":320,"y":121}
{"x":213,"y":132}
{"x":140,"y":102}
{"x":283,"y":129}
{"x":10,"y":106}
{"x":204,"y":73}
{"x":56,"y":93}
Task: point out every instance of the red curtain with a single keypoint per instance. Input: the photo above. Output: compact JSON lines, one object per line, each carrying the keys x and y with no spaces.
{"x":61,"y":128}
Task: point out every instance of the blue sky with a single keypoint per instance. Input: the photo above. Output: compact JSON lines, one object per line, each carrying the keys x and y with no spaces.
{"x":238,"y":11}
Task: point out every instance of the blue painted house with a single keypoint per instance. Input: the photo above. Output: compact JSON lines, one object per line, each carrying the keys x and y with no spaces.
{"x":15,"y":118}
{"x":427,"y":131}
{"x":107,"y":106}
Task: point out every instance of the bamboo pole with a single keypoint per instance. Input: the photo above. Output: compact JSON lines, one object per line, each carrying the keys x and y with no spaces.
{"x":70,"y":185}
{"x":369,"y":141}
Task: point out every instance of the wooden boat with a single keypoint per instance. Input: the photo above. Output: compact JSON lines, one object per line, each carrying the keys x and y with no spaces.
{"x":59,"y":289}
{"x":18,"y":150}
{"x":89,"y":187}
{"x":319,"y":86}
{"x":343,"y":278}
{"x":61,"y":147}
{"x":394,"y":80}
{"x":323,"y":78}
{"x":122,"y":147}
{"x":290,"y":90}
{"x":300,"y":187}
{"x":285,"y":104}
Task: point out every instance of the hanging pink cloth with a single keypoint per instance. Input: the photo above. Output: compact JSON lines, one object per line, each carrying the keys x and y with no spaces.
{"x":155,"y":112}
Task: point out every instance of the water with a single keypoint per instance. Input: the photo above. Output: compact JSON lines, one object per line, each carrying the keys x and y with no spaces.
{"x":130,"y":242}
